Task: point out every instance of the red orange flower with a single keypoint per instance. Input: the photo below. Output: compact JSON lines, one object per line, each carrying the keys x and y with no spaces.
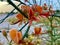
{"x":15,"y":35}
{"x":37,"y":30}
{"x":19,"y":16}
{"x":46,"y":14}
{"x":32,"y":17}
{"x":37,"y":8}
{"x":30,"y":13}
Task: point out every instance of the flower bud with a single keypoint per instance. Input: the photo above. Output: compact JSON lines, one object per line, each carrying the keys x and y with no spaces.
{"x":37,"y":30}
{"x":4,"y":33}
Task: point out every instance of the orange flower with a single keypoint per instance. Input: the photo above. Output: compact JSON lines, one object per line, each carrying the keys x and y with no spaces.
{"x":12,"y":33}
{"x":19,"y":16}
{"x":37,"y":8}
{"x":45,"y":14}
{"x":25,"y":8}
{"x":37,"y":30}
{"x":30,"y":13}
{"x":32,"y":17}
{"x":18,"y":37}
{"x":15,"y":35}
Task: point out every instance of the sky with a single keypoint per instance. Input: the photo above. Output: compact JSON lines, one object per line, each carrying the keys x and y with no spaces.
{"x":54,"y":3}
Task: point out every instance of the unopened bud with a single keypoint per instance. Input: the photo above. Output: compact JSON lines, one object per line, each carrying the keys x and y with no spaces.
{"x":4,"y":33}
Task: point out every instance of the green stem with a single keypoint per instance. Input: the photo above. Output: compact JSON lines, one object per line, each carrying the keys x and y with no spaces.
{"x":11,"y":41}
{"x":51,"y":19}
{"x":10,"y":44}
{"x":26,"y":33}
{"x":7,"y":39}
{"x":23,"y":26}
{"x":51,"y":33}
{"x":57,"y":38}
